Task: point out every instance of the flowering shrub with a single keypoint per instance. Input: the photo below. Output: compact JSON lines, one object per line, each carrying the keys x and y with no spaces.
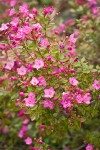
{"x":45,"y":77}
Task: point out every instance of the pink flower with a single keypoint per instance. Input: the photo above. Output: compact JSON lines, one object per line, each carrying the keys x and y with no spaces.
{"x":93,"y":2}
{"x":25,"y":121}
{"x":20,"y":34}
{"x":12,"y":12}
{"x":79,"y":99}
{"x":96,"y":85}
{"x":89,"y":147}
{"x":95,"y":10}
{"x":30,"y":101}
{"x":73,"y":81}
{"x":48,"y":10}
{"x":70,"y":48}
{"x":35,"y":11}
{"x":3,"y":27}
{"x":87,"y":98}
{"x":37,"y":27}
{"x":42,"y":81}
{"x":49,"y":93}
{"x":20,"y":134}
{"x":21,"y":113}
{"x":23,"y":10}
{"x":73,"y":52}
{"x":13,"y":3}
{"x":66,"y":101}
{"x":9,"y":65}
{"x":24,"y":128}
{"x":27,"y":30}
{"x":28,"y":141}
{"x":44,"y":43}
{"x":22,"y":70}
{"x":48,"y":104}
{"x":22,"y":131}
{"x":38,"y":63}
{"x":31,"y":95}
{"x":34,"y":81}
{"x":15,"y":21}
{"x":22,"y":94}
{"x":72,"y":39}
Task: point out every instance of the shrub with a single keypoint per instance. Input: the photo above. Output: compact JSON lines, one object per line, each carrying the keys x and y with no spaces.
{"x":44,"y":76}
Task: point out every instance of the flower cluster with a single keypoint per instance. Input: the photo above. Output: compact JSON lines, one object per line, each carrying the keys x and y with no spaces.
{"x":46,"y":73}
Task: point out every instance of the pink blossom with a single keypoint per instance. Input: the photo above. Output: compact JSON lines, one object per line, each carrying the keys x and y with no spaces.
{"x":66,"y":100}
{"x":20,"y":34}
{"x":22,"y":70}
{"x":24,"y":128}
{"x":89,"y":147}
{"x":73,"y":81}
{"x":49,"y":93}
{"x":34,"y":81}
{"x":28,"y":141}
{"x":40,"y":141}
{"x":12,"y":12}
{"x":95,"y":10}
{"x":72,"y":52}
{"x":48,"y":104}
{"x":22,"y":131}
{"x":62,"y":69}
{"x":87,"y":98}
{"x":30,"y":101}
{"x":79,"y":99}
{"x":35,"y":11}
{"x":31,"y":95}
{"x":62,"y":46}
{"x":23,"y":10}
{"x":96,"y":85}
{"x":66,"y":103}
{"x":9,"y":65}
{"x":3,"y":27}
{"x":38,"y":63}
{"x":24,"y":83}
{"x":27,"y":30}
{"x":72,"y":39}
{"x":42,"y":126}
{"x":20,"y":134}
{"x":70,"y":47}
{"x":22,"y":94}
{"x":15,"y":21}
{"x":93,"y":2}
{"x":37,"y":27}
{"x":25,"y":121}
{"x":42,"y":81}
{"x":13,"y":3}
{"x":21,"y":113}
{"x":48,"y":10}
{"x":44,"y":43}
